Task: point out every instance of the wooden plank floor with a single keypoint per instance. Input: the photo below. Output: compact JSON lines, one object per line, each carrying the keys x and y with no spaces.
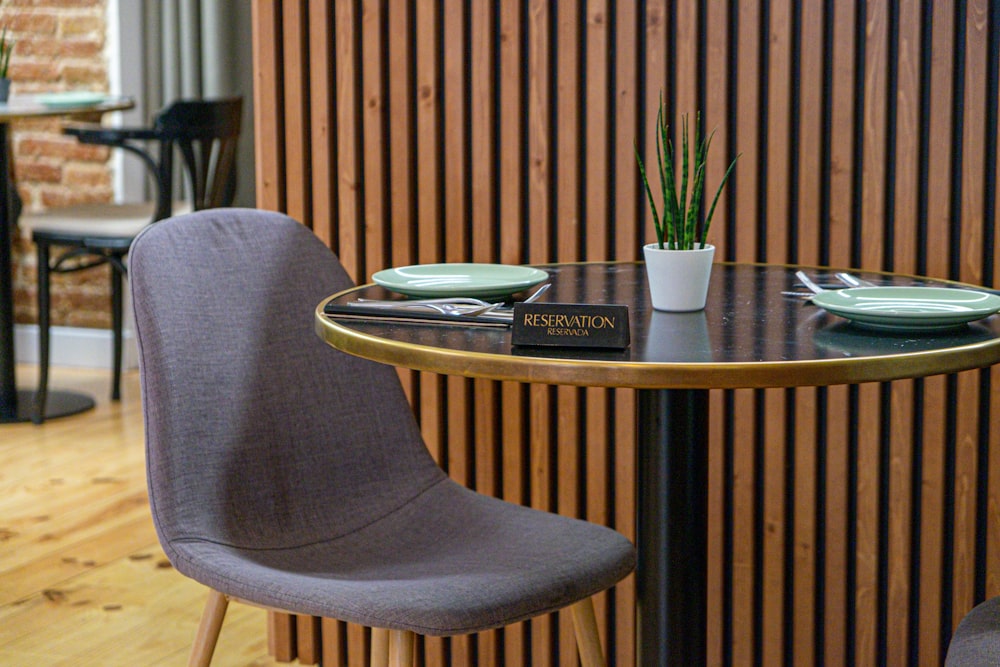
{"x":82,"y":578}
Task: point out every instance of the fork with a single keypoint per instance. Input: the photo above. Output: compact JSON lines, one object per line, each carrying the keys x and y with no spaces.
{"x":446,"y":301}
{"x":462,"y":309}
{"x":808,"y":282}
{"x":852,"y":281}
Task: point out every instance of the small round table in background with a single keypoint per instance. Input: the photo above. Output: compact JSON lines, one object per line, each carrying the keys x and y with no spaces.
{"x":16,"y":405}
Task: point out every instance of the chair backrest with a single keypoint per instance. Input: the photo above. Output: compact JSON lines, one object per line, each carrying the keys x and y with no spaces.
{"x":258,"y":433}
{"x":206,"y":133}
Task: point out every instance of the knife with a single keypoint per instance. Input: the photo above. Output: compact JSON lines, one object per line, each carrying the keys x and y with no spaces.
{"x":410,"y":315}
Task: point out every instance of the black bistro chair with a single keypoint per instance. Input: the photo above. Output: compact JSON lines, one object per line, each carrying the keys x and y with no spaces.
{"x":73,"y":238}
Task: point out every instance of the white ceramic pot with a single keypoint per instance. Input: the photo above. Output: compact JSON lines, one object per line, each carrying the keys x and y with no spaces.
{"x":678,"y":279}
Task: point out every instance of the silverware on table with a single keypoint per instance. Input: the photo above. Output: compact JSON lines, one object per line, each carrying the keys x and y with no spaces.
{"x":444,"y":310}
{"x":852,"y":281}
{"x":537,"y":293}
{"x":808,"y":282}
{"x":448,"y":300}
{"x":453,"y":305}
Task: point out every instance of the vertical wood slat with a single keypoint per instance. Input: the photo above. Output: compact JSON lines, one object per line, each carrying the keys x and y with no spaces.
{"x":429,"y":205}
{"x":541,"y":141}
{"x":654,"y":82}
{"x":281,"y":635}
{"x":268,"y":119}
{"x":402,"y":139}
{"x":487,"y":143}
{"x":805,"y":529}
{"x":454,"y":140}
{"x":626,"y":191}
{"x":596,"y":111}
{"x":482,"y":138}
{"x":806,"y":205}
{"x":308,"y":640}
{"x":349,"y":240}
{"x":374,"y":113}
{"x":509,"y":102}
{"x":322,"y":119}
{"x":297,"y":83}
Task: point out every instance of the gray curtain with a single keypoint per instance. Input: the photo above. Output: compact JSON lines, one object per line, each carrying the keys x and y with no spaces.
{"x":190,"y":49}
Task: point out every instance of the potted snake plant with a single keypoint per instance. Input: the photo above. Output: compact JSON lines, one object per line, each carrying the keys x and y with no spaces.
{"x":679,"y":263}
{"x":6,"y":47}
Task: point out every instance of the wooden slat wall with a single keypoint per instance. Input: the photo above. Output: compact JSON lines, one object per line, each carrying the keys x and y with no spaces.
{"x":503,"y":131}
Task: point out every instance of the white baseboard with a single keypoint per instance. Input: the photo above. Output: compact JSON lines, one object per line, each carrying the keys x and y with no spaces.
{"x":74,"y":346}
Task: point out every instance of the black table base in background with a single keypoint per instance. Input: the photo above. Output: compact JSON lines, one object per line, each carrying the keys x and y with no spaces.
{"x":58,"y":404}
{"x":672,"y":526}
{"x":18,"y":405}
{"x":8,"y":390}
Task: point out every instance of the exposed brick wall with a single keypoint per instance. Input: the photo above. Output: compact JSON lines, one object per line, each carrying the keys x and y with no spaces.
{"x":60,"y":45}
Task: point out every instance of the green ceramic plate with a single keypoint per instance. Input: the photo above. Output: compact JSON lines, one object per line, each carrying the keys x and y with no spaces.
{"x":75,"y":98}
{"x":479,"y":280}
{"x":908,"y":308}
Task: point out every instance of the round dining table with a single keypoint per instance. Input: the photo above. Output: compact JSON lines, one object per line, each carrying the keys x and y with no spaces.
{"x":16,"y":405}
{"x":759,"y":329}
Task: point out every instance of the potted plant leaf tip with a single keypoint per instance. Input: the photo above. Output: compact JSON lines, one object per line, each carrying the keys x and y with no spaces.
{"x":6,"y":47}
{"x":679,"y":264}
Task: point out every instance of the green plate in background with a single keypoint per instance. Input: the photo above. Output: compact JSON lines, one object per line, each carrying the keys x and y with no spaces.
{"x":75,"y":98}
{"x":456,"y":279}
{"x":908,"y":308}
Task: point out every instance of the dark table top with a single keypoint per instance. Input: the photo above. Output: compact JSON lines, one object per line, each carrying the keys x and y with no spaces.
{"x":749,"y":335}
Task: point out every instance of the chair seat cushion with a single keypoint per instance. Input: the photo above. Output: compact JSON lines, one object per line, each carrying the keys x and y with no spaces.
{"x":94,"y":220}
{"x":450,"y":561}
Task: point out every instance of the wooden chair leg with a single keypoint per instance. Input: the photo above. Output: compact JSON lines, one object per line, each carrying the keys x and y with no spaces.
{"x":401,"y":648}
{"x":380,"y":647}
{"x":587,"y":638}
{"x":208,"y":630}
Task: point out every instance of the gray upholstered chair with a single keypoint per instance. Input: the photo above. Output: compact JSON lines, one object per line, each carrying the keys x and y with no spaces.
{"x":976,"y":642}
{"x":292,"y":476}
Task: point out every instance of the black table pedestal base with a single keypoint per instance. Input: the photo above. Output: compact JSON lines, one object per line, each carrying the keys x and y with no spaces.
{"x":672,"y":527}
{"x":59,"y":404}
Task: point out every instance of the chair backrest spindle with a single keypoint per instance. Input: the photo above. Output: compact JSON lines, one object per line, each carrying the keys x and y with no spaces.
{"x":205,"y":132}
